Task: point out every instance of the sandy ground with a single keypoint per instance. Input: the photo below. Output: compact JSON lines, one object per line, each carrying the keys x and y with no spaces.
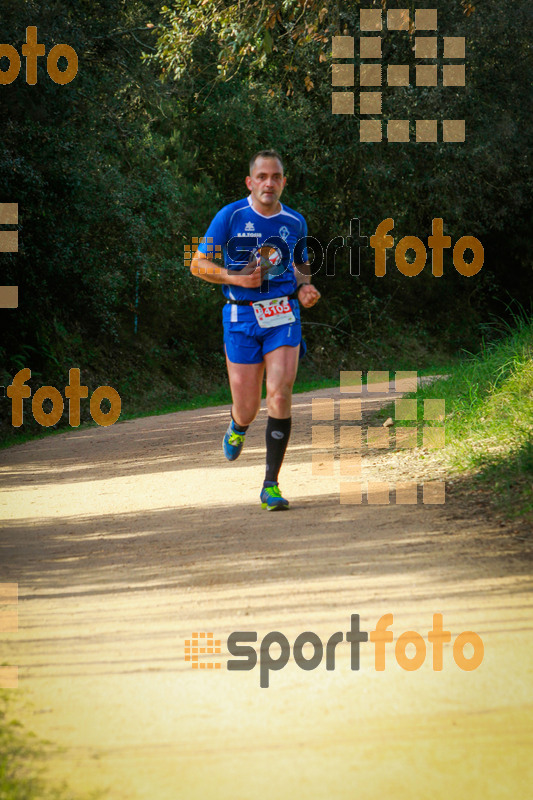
{"x":125,"y":540}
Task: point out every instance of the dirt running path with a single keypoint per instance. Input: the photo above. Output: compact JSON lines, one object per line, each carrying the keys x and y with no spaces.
{"x":126,"y":540}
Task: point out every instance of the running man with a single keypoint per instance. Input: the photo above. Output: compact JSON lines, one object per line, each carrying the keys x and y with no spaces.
{"x":265,"y":274}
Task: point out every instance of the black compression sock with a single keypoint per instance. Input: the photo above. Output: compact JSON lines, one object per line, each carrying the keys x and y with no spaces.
{"x":239,"y":428}
{"x":277,"y":438}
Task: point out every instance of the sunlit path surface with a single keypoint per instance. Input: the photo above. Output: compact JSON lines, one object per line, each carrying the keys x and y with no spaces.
{"x":124,"y":541}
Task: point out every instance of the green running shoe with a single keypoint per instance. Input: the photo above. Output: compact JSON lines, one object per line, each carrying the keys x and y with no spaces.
{"x":272,"y":500}
{"x":232,"y":443}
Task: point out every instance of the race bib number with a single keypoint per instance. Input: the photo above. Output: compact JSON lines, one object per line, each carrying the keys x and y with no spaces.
{"x":270,"y":313}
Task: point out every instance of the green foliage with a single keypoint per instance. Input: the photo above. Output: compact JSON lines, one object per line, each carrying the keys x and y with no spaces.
{"x":489,"y":415}
{"x":278,"y":94}
{"x":21,"y":758}
{"x":116,"y":171}
{"x":102,"y":202}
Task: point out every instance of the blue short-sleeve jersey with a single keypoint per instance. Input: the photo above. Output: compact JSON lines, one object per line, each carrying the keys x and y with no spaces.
{"x":239,"y":230}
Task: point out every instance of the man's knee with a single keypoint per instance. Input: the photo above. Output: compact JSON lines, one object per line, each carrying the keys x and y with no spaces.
{"x":279,"y":392}
{"x":279,"y":396}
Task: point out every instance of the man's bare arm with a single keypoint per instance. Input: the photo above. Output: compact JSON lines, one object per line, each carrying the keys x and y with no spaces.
{"x":209,"y":271}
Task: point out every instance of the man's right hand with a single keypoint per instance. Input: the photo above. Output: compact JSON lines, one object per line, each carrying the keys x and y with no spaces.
{"x":250,"y":277}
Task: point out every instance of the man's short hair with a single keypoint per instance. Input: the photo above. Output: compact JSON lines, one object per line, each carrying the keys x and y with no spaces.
{"x":265,"y":154}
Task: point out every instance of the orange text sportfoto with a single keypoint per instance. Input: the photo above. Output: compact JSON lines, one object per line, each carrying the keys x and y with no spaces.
{"x":31,"y":51}
{"x":18,"y":390}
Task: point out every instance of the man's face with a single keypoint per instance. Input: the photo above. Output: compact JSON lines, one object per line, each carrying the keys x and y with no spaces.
{"x":266,"y":182}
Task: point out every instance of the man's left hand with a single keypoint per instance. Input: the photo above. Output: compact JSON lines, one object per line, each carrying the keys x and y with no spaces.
{"x":308,"y":295}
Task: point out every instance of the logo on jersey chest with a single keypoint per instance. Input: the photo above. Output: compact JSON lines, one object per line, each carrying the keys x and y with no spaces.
{"x":270,"y":259}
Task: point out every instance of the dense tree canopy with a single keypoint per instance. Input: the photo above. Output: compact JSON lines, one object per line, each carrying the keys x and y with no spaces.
{"x":116,"y":171}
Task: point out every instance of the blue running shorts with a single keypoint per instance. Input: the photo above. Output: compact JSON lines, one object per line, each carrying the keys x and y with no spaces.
{"x":246,"y":342}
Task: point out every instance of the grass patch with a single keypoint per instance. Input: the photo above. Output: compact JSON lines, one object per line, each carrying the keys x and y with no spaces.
{"x":489,"y":417}
{"x":22,"y":759}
